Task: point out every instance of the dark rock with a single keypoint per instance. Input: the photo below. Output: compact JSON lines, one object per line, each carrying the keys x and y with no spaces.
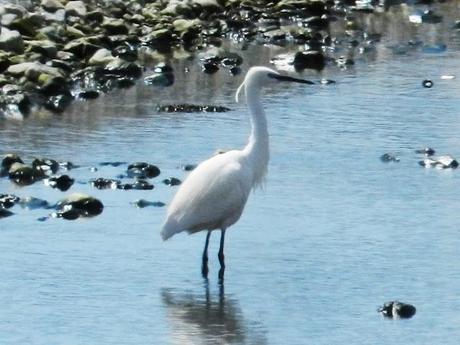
{"x":143,"y":170}
{"x":389,"y":157}
{"x":63,"y":182}
{"x":67,"y":165}
{"x":231,"y":60}
{"x":58,"y":103}
{"x":191,"y":108}
{"x":104,"y":183}
{"x":8,"y":200}
{"x":172,"y":181}
{"x":430,"y":17}
{"x":426,"y":151}
{"x":209,"y":66}
{"x":427,"y":83}
{"x":81,"y":48}
{"x":189,"y":167}
{"x":112,"y":164}
{"x":309,"y":59}
{"x":141,"y":203}
{"x":397,"y":310}
{"x":24,"y":175}
{"x":79,"y":205}
{"x":5,"y":213}
{"x":163,"y":76}
{"x":88,"y":94}
{"x":138,"y":185}
{"x":316,"y":22}
{"x":125,"y":52}
{"x":45,"y":165}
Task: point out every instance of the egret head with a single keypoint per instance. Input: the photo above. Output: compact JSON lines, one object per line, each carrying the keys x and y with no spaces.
{"x":259,"y":76}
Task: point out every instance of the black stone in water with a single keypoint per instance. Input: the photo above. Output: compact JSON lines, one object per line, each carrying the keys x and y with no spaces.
{"x":112,"y":164}
{"x":396,"y":309}
{"x":188,"y":167}
{"x":105,"y":183}
{"x":45,"y":165}
{"x":191,"y":108}
{"x":172,"y":181}
{"x":5,"y":213}
{"x":143,"y":170}
{"x":389,"y":157}
{"x":63,"y":182}
{"x":8,"y":200}
{"x":427,"y":83}
{"x":141,"y":203}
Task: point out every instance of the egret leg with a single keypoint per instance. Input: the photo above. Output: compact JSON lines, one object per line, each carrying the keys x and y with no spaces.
{"x":221,"y":256}
{"x":204,"y":264}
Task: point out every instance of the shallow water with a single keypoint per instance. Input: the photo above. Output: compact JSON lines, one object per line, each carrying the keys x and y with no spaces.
{"x":334,"y":234}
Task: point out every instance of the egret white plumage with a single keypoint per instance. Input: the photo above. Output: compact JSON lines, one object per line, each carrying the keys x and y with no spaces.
{"x":213,"y":196}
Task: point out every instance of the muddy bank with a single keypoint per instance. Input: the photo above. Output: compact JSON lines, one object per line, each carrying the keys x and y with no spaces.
{"x":56,"y":51}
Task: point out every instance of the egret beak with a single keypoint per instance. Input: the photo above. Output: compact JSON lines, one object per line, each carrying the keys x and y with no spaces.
{"x":288,"y":78}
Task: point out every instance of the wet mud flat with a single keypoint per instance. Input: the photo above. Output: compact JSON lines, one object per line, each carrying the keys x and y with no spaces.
{"x":55,"y":52}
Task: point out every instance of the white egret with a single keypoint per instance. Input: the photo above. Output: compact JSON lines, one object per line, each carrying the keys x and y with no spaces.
{"x":214,"y":194}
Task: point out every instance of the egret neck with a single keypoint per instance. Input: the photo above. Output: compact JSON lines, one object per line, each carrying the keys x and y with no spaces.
{"x":257,"y":149}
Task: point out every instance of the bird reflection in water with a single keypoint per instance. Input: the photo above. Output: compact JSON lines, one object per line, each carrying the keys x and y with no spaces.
{"x":210,"y":319}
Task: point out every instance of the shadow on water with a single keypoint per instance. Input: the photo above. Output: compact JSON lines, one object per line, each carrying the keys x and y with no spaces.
{"x":209,"y":318}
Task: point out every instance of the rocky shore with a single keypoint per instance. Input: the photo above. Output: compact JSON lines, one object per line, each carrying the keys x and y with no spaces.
{"x":55,"y":51}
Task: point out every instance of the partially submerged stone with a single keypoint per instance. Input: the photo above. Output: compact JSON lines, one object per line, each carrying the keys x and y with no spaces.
{"x":142,"y":170}
{"x":105,"y":183}
{"x":141,"y":203}
{"x":397,"y":310}
{"x":78,"y":205}
{"x":63,"y":182}
{"x":8,"y":200}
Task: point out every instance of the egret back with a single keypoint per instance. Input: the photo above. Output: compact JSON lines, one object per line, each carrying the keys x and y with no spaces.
{"x":212,"y":197}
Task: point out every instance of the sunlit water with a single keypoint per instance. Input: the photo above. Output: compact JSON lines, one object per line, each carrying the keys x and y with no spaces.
{"x":334,"y":234}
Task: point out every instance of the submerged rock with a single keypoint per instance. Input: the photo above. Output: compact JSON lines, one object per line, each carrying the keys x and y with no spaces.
{"x":138,"y":184}
{"x":141,"y":203}
{"x":78,"y":205}
{"x":189,"y":167}
{"x":397,"y":310}
{"x":5,"y":213}
{"x":426,"y":151}
{"x":32,"y":203}
{"x":172,"y":181}
{"x":8,"y":200}
{"x":105,"y":183}
{"x":191,"y":108}
{"x":143,"y":170}
{"x":309,"y":59}
{"x":389,"y":157}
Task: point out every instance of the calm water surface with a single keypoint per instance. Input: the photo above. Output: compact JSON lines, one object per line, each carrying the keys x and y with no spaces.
{"x":334,"y":233}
